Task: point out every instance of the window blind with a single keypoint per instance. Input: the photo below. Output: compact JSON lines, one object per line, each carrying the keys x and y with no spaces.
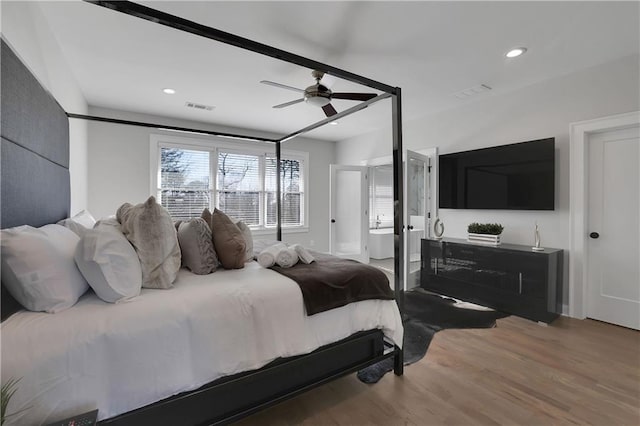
{"x":239,"y":186}
{"x":381,"y":197}
{"x":245,"y":185}
{"x":291,"y":185}
{"x":185,"y":183}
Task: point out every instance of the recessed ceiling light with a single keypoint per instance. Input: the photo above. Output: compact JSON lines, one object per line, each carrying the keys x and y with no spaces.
{"x":169,"y":91}
{"x":334,"y":123}
{"x":513,"y":53}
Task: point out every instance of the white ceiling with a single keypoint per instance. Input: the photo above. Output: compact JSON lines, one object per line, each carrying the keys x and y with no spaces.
{"x":429,"y":49}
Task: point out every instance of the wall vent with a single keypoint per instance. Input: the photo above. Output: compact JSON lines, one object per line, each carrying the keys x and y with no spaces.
{"x":202,"y":107}
{"x":472,"y":91}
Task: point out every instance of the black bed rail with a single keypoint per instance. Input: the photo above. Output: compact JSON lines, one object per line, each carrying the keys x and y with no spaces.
{"x":231,"y":398}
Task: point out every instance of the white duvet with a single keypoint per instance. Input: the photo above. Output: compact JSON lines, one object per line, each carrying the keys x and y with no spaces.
{"x":120,"y":357}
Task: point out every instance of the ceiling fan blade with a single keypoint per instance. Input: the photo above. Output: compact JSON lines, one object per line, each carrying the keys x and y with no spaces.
{"x":282,"y":86}
{"x":286,"y":104}
{"x":329,"y":110}
{"x":354,"y":96}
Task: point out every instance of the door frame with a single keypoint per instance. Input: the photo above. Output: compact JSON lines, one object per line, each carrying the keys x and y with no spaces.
{"x":432,"y":154}
{"x":578,"y":215}
{"x":407,"y":216}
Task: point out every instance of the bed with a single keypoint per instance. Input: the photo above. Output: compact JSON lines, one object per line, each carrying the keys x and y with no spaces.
{"x":211,"y":350}
{"x":120,"y":357}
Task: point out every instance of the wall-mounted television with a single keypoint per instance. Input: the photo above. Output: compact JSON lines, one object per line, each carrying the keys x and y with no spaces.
{"x":519,"y":176}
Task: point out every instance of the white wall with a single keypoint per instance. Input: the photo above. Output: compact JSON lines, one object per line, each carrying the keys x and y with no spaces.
{"x":119,"y":168}
{"x":538,"y":111}
{"x":25,"y":29}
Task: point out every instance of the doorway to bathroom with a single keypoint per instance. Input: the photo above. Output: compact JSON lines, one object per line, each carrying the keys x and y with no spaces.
{"x":362,"y":213}
{"x":417,"y":205}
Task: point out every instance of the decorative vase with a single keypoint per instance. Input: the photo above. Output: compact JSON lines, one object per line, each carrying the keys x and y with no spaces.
{"x":536,"y":236}
{"x":438,"y":229}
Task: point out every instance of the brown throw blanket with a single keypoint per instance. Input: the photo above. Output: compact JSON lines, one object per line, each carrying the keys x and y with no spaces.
{"x":331,"y":282}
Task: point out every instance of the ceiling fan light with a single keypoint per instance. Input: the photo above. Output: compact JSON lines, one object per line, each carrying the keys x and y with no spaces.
{"x":318,"y":101}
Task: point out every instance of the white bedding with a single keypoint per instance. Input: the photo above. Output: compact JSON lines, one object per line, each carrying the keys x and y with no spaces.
{"x":120,"y":357}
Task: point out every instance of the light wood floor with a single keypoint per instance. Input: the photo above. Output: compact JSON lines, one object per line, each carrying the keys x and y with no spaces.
{"x":520,"y":373}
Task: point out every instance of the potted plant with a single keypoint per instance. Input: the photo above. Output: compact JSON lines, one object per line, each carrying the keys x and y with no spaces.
{"x":488,"y":233}
{"x":7,"y":391}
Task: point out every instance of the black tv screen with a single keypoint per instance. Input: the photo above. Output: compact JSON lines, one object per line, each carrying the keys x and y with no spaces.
{"x":519,"y":176}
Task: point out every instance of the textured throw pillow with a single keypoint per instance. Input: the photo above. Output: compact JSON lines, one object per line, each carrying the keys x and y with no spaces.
{"x":38,"y":269}
{"x":248,"y":240}
{"x":79,"y":223}
{"x":109,"y":263}
{"x":228,"y":241}
{"x":149,"y":228}
{"x":196,"y":245}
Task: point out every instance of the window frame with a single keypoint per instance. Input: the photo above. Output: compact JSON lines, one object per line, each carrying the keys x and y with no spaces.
{"x":214,"y":146}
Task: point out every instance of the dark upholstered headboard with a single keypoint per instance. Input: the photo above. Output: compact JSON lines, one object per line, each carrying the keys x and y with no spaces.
{"x":34,"y":186}
{"x":35,"y":149}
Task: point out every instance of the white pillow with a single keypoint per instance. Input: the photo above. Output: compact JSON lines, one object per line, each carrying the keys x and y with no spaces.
{"x":79,"y":223}
{"x":109,"y":262}
{"x":38,"y":267}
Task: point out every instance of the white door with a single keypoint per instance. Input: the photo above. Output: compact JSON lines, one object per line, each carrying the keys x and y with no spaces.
{"x":613,"y":251}
{"x":416,"y":184}
{"x":349,"y":210}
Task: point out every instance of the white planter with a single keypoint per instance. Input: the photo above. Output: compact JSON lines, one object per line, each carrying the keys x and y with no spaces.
{"x":493,"y":240}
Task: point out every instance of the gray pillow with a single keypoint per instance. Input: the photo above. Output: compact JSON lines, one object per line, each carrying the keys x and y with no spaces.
{"x":196,"y":245}
{"x":248,"y":240}
{"x":206,"y":215}
{"x":149,"y":228}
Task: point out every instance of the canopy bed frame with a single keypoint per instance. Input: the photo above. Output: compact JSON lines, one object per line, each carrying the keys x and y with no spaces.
{"x":43,"y":197}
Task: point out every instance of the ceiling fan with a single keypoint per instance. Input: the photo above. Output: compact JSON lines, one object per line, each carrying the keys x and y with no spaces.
{"x":319,"y":94}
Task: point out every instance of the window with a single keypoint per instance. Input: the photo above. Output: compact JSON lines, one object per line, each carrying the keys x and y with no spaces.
{"x":381,"y":197}
{"x":239,"y":186}
{"x":240,"y":182}
{"x":184,"y":177}
{"x":291,"y":187}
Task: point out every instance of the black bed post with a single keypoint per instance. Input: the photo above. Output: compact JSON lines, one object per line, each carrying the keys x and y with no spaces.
{"x":278,"y":194}
{"x":398,"y":216}
{"x":181,"y":24}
